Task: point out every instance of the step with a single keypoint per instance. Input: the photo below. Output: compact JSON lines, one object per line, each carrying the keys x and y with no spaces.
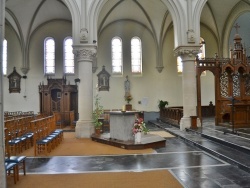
{"x":227,"y":142}
{"x":219,"y":150}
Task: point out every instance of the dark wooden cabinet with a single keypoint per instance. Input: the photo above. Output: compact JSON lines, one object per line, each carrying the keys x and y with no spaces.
{"x":58,"y":96}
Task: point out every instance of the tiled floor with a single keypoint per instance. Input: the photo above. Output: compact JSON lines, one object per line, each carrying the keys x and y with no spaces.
{"x":192,"y":158}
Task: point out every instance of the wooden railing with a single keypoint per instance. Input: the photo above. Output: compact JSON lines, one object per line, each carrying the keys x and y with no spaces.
{"x":171,"y":115}
{"x":208,"y":111}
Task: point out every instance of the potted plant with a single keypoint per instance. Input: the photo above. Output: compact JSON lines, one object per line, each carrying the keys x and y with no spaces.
{"x":97,"y":113}
{"x":162,"y":104}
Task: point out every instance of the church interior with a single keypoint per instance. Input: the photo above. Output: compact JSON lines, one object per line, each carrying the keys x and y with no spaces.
{"x":64,"y":61}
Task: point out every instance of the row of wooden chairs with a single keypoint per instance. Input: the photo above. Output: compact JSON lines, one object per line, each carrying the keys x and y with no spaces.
{"x":13,"y":164}
{"x":46,"y":136}
{"x":20,"y":134}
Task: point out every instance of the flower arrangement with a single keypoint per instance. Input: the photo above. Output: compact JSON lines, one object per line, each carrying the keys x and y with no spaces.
{"x":139,"y":126}
{"x":128,"y":98}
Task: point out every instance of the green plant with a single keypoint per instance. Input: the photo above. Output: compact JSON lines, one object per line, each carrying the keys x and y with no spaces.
{"x":162,"y":104}
{"x":97,"y":112}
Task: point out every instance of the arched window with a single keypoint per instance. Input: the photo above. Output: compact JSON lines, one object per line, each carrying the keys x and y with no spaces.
{"x":136,"y":55}
{"x":117,"y":64}
{"x":179,"y":65}
{"x":49,"y":56}
{"x":201,"y":55}
{"x":69,"y":66}
{"x":4,"y":57}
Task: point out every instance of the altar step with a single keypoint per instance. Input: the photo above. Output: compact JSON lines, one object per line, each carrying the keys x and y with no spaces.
{"x":147,"y":141}
{"x":232,"y":148}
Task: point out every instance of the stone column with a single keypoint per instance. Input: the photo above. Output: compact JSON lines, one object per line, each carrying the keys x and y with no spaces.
{"x":189,"y":87}
{"x":2,"y":142}
{"x":85,"y":54}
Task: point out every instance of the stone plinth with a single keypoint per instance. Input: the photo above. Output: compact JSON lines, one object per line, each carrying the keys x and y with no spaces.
{"x":121,"y":125}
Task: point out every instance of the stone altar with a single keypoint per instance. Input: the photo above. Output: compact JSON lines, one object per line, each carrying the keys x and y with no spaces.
{"x":121,"y":125}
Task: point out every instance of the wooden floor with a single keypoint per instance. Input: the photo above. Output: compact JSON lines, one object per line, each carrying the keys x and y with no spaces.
{"x":147,"y":141}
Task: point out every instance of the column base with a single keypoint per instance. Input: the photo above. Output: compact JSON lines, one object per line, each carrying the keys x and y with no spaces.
{"x":84,"y":129}
{"x":185,"y":123}
{"x":198,"y":122}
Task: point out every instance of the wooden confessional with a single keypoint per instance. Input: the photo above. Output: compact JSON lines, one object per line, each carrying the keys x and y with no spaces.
{"x":59,"y":98}
{"x":232,"y":84}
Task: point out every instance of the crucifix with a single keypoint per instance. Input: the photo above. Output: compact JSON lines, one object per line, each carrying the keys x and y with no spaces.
{"x":236,"y":27}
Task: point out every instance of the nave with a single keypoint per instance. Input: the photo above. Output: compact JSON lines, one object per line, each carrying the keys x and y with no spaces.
{"x":192,"y":157}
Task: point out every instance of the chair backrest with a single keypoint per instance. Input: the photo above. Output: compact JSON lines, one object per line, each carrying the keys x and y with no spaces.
{"x":6,"y":139}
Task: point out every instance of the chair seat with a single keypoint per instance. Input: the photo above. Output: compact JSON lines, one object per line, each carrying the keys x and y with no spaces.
{"x":43,"y":141}
{"x":14,"y":141}
{"x":49,"y":138}
{"x":22,"y":138}
{"x":15,"y":159}
{"x":55,"y":133}
{"x":58,"y":130}
{"x":9,"y":165}
{"x":19,"y":160}
{"x":12,"y":167}
{"x":29,"y":135}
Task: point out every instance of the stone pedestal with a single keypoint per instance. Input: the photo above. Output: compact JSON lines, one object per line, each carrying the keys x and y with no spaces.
{"x":121,"y":125}
{"x":84,"y":129}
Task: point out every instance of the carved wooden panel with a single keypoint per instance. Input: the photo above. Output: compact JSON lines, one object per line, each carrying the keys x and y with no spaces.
{"x":57,"y":96}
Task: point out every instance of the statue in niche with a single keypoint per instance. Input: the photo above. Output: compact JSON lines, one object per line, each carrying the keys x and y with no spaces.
{"x":103,"y":80}
{"x":14,"y":82}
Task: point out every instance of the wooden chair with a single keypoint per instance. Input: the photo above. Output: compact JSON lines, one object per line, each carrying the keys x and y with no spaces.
{"x":13,"y":142}
{"x":13,"y":163}
{"x":11,"y":170}
{"x":43,"y":143}
{"x":19,"y":161}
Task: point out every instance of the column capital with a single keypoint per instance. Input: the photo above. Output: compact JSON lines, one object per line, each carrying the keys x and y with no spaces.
{"x":187,"y":52}
{"x":85,"y":52}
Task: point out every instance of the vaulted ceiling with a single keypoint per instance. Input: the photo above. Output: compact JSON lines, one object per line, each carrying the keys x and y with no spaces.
{"x":25,"y":16}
